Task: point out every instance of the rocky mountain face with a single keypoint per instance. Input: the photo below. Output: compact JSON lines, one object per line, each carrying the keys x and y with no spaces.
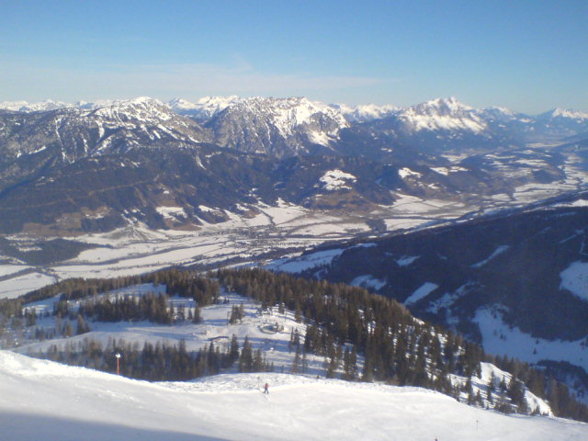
{"x":278,"y":127}
{"x":292,"y":126}
{"x":444,"y":126}
{"x":34,"y":143}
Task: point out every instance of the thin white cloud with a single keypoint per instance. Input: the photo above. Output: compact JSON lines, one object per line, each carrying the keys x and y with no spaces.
{"x":165,"y":81}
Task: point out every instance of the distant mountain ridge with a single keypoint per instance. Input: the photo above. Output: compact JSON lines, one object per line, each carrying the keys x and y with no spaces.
{"x":441,"y":114}
{"x":284,"y":127}
{"x":288,"y":145}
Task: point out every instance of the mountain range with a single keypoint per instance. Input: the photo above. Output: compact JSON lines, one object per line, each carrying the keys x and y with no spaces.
{"x":94,"y":161}
{"x":253,"y":124}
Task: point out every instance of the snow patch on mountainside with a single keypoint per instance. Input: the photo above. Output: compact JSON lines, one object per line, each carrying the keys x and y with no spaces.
{"x":489,"y":379}
{"x":336,"y":180}
{"x":406,"y":172}
{"x":16,"y":286}
{"x":289,"y":113}
{"x":497,"y":252}
{"x":447,"y":170}
{"x":368,"y":282}
{"x":268,"y":330}
{"x":305,"y":262}
{"x":406,"y":260}
{"x":142,"y":108}
{"x":423,"y":291}
{"x":449,"y":298}
{"x":575,"y":279}
{"x":204,"y":108}
{"x":500,"y":338}
{"x":172,"y":212}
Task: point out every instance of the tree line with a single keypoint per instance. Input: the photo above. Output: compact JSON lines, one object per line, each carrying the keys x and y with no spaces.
{"x":159,"y":361}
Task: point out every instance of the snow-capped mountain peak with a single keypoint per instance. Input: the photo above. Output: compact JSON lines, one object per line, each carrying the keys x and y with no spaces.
{"x":217,"y":102}
{"x":204,"y":108}
{"x":366,"y":112}
{"x":442,"y":114}
{"x":180,"y":104}
{"x":294,"y":111}
{"x":281,"y":126}
{"x":442,"y":106}
{"x":559,"y":112}
{"x":140,"y":108}
{"x":42,"y":106}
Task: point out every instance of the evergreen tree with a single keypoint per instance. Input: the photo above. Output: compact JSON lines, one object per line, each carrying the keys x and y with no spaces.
{"x":82,"y":326}
{"x":196,"y":318}
{"x":246,"y":358}
{"x":233,"y":350}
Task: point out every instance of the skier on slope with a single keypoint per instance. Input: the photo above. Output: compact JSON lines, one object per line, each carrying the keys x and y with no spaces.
{"x":266,"y":389}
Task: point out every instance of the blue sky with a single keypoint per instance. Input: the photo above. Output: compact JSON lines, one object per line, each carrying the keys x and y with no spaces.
{"x":526,"y":55}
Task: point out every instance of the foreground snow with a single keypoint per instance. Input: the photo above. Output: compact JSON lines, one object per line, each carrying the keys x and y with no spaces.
{"x":41,"y":400}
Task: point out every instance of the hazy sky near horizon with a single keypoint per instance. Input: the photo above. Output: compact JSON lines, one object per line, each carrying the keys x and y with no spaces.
{"x":529,"y":55}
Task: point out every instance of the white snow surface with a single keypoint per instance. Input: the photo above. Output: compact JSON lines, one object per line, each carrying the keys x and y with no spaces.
{"x":575,"y":279}
{"x":205,"y":107}
{"x":171,"y":212}
{"x":366,"y":112}
{"x":268,"y":330}
{"x":501,"y":339}
{"x":42,"y":400}
{"x":497,"y":252}
{"x":406,"y":172}
{"x":566,"y":113}
{"x":336,"y":180}
{"x":406,"y":260}
{"x":367,"y":281}
{"x":447,"y":170}
{"x":24,"y":106}
{"x":288,"y":115}
{"x":305,"y":262}
{"x":442,"y":114}
{"x":490,"y":373}
{"x":423,"y":291}
{"x":21,"y":284}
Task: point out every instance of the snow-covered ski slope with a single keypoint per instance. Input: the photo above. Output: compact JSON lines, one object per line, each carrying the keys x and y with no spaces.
{"x":268,"y":330}
{"x":42,"y":400}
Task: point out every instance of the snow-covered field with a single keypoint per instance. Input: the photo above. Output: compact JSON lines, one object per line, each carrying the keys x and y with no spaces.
{"x":42,"y":400}
{"x":16,"y":286}
{"x":268,"y":330}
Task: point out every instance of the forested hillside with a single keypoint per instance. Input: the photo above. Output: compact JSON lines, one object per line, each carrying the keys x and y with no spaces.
{"x":361,"y":336}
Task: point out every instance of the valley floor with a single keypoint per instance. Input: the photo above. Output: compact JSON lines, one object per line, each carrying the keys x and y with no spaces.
{"x":277,"y":231}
